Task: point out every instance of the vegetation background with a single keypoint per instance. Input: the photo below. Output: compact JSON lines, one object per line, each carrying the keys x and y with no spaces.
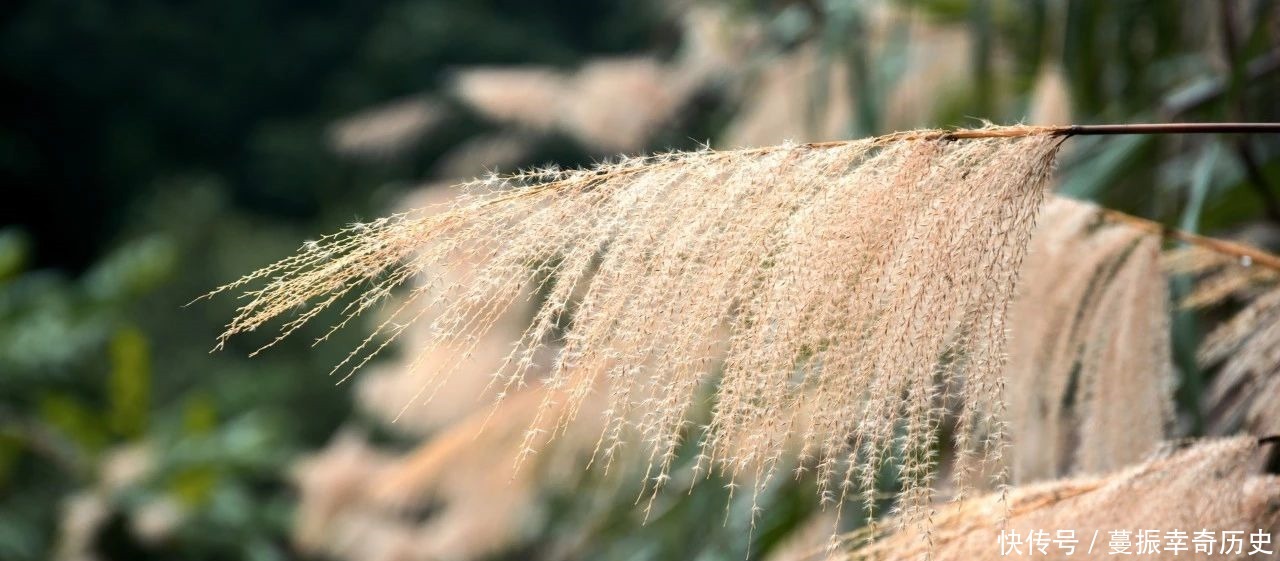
{"x":152,"y":150}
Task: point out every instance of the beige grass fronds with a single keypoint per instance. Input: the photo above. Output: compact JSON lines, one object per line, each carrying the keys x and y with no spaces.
{"x":866,"y":279}
{"x":1209,"y":485}
{"x":1090,"y":374}
{"x":1245,"y":349}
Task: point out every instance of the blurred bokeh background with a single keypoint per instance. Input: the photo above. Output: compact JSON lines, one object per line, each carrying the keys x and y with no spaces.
{"x":150,"y":151}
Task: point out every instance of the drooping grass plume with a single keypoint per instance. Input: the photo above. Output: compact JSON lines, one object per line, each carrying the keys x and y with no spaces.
{"x":1090,"y":373}
{"x":383,"y":388}
{"x":867,"y":280}
{"x":359,"y":503}
{"x":388,"y":131}
{"x":1244,"y":350}
{"x":1211,"y":485}
{"x":614,"y":104}
{"x":331,"y":516}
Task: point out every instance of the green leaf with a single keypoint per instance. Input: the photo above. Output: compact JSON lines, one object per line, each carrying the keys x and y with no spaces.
{"x":132,"y":270}
{"x":199,"y":415}
{"x":75,"y":420}
{"x":1201,"y":182}
{"x":1096,"y":171}
{"x":14,"y":250}
{"x":129,"y":384}
{"x":194,"y":486}
{"x":10,"y":451}
{"x":1185,"y":327}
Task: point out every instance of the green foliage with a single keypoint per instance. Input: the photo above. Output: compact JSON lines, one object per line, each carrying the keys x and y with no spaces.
{"x":153,"y":150}
{"x":128,"y":384}
{"x":160,"y":149}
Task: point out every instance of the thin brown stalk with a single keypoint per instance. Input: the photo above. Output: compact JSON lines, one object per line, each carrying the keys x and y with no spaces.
{"x":1248,"y":255}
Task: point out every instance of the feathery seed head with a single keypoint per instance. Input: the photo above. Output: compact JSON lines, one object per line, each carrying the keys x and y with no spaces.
{"x":1091,"y":334}
{"x":1213,"y":475}
{"x":841,"y":295}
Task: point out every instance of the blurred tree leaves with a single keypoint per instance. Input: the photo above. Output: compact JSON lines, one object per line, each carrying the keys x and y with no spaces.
{"x":129,"y":384}
{"x":14,"y":248}
{"x":47,"y":323}
{"x":158,"y":149}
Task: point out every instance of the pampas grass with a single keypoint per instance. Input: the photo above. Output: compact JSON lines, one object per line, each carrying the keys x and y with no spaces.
{"x":1245,"y":349}
{"x":613,"y":104}
{"x":867,"y":280}
{"x":383,"y":388}
{"x":1209,"y":485}
{"x":1090,"y":374}
{"x":360,"y":503}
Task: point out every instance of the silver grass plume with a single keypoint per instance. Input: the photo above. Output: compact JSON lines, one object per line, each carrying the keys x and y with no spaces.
{"x":357,"y":502}
{"x":1211,"y":484}
{"x":839,"y":295}
{"x":1244,"y":350}
{"x":1090,"y":368}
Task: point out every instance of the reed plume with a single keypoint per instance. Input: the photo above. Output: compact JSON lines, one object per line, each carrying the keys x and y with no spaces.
{"x":382,"y":389}
{"x":1090,"y":373}
{"x":1208,"y":485}
{"x":614,"y":104}
{"x":1244,"y":350}
{"x":868,"y":280}
{"x":360,"y":503}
